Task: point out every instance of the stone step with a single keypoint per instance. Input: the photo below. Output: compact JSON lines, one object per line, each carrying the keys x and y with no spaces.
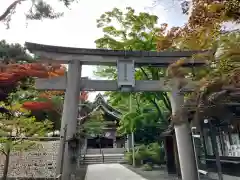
{"x":106,"y":151}
{"x":93,"y":159}
{"x":108,"y":158}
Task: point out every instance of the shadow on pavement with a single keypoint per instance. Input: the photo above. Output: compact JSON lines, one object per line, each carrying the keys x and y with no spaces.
{"x":158,"y":173}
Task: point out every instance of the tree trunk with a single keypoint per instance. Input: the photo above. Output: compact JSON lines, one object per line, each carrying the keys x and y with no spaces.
{"x":6,"y":164}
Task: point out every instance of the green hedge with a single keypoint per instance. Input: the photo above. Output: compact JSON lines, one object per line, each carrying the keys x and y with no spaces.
{"x":146,"y":154}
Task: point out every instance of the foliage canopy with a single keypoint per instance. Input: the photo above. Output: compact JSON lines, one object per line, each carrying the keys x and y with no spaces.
{"x":38,"y":10}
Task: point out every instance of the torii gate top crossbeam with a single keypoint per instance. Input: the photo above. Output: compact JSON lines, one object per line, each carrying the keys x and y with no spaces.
{"x":110,"y":57}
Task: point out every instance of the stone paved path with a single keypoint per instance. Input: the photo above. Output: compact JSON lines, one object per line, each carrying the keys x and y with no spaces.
{"x":110,"y":172}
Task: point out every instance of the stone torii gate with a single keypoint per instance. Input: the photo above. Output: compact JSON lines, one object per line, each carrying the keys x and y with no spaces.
{"x":126,"y":61}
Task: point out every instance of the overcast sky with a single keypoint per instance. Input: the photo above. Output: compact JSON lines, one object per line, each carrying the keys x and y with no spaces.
{"x":78,"y":26}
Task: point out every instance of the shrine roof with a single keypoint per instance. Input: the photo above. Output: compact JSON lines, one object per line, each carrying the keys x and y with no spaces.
{"x":100,"y":103}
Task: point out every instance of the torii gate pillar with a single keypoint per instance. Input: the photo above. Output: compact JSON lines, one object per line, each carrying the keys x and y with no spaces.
{"x":186,"y":154}
{"x":69,"y":118}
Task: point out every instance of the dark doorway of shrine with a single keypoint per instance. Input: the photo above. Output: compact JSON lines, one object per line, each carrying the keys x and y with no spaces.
{"x":96,"y":143}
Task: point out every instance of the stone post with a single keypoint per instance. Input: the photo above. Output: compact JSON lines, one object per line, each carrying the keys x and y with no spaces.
{"x":85,"y":143}
{"x":114,"y":142}
{"x":182,"y":131}
{"x":129,"y":142}
{"x":69,"y":117}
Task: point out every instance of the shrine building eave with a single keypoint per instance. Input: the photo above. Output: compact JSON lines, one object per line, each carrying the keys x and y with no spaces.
{"x":101,"y":104}
{"x":115,"y":116}
{"x":110,"y":57}
{"x":99,"y":100}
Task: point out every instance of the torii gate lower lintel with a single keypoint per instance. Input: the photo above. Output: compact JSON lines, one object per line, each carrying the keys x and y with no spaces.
{"x":60,"y":83}
{"x":126,"y":62}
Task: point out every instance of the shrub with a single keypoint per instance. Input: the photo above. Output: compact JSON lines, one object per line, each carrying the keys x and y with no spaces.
{"x":156,"y":153}
{"x":140,"y":154}
{"x":128,"y":158}
{"x":147,"y":167}
{"x":146,"y":154}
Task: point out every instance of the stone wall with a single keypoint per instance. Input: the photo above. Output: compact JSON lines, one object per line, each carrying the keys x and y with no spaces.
{"x":39,"y":163}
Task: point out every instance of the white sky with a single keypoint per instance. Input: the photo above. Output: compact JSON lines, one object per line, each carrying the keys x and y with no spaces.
{"x":78,"y":27}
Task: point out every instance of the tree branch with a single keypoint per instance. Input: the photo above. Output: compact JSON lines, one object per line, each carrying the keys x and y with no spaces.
{"x":3,"y":152}
{"x":160,"y":115}
{"x":150,"y":99}
{"x":9,"y":9}
{"x":138,"y":104}
{"x":145,"y":74}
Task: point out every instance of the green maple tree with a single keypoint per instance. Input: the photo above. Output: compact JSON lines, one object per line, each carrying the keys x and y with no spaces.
{"x":129,"y":30}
